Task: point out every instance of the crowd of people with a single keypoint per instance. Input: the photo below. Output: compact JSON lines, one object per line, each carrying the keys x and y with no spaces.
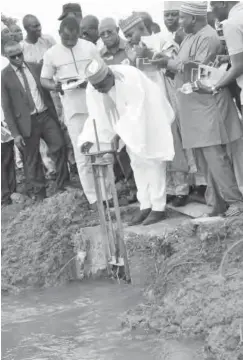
{"x":129,"y":78}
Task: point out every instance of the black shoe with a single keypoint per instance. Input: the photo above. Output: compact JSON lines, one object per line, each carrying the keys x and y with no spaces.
{"x":154,"y":217}
{"x":180,"y":200}
{"x":169,"y":198}
{"x":140,"y":217}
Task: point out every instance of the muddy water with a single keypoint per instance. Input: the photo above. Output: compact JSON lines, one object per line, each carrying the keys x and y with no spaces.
{"x":76,"y":322}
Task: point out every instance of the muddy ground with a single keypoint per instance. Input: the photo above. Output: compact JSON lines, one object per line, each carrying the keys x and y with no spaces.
{"x":194,"y":289}
{"x":190,"y":292}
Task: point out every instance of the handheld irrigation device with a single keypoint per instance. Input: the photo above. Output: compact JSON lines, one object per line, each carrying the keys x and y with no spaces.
{"x":112,"y":231}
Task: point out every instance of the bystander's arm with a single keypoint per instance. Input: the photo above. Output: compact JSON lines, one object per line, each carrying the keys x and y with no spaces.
{"x":233,"y":38}
{"x":234,"y":72}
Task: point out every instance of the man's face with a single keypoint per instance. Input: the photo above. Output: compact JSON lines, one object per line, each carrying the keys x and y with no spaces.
{"x":17,"y":33}
{"x":34,"y":27}
{"x":187,"y":22}
{"x":105,"y":86}
{"x":134,"y":35}
{"x":6,"y":35}
{"x":171,"y":20}
{"x":89,"y":32}
{"x":15,"y":55}
{"x":69,"y":38}
{"x":219,"y":9}
{"x":109,"y":35}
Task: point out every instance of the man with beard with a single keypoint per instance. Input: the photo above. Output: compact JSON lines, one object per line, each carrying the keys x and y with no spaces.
{"x":208,"y":123}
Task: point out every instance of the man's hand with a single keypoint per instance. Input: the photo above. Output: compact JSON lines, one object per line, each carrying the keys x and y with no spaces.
{"x":204,"y":89}
{"x":58,"y":88}
{"x":19,"y":142}
{"x":161,"y":60}
{"x":115,"y":143}
{"x":86,"y":147}
{"x":222,"y":59}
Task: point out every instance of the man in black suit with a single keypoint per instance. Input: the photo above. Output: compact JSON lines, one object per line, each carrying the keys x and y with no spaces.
{"x":30,"y":115}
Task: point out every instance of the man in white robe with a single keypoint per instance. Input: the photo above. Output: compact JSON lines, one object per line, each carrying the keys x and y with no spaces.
{"x":130,"y":107}
{"x":145,"y":45}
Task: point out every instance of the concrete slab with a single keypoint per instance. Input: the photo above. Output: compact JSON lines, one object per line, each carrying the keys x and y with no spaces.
{"x":192,"y":209}
{"x":158,"y":229}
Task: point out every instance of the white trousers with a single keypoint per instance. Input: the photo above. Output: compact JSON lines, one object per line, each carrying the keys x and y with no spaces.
{"x":150,"y":178}
{"x":75,"y":126}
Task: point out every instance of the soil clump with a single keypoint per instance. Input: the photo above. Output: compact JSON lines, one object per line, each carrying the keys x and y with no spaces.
{"x":194,"y":287}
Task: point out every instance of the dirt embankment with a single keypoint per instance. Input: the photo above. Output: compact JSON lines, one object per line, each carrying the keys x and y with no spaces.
{"x":194,"y":288}
{"x":37,"y":241}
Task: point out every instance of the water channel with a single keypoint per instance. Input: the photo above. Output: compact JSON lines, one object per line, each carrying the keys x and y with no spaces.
{"x":78,"y":321}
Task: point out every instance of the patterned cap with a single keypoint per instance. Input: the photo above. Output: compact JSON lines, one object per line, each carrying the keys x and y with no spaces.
{"x":195,"y":8}
{"x":130,"y":22}
{"x":96,"y":71}
{"x":172,"y":5}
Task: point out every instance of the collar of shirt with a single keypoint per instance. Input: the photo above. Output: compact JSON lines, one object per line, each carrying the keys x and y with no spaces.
{"x":15,"y":68}
{"x":235,"y":9}
{"x":122,"y":46}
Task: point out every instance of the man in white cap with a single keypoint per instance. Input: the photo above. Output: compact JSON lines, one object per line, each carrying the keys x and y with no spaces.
{"x":129,"y":106}
{"x":208,"y":123}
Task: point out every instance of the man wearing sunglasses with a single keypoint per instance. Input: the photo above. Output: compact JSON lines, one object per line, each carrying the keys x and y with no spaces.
{"x":30,"y":115}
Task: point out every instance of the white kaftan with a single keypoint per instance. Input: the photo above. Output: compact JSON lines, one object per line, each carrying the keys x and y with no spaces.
{"x":136,"y":110}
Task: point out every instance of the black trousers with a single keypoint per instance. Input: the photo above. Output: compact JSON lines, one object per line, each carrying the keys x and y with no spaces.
{"x":45,"y":127}
{"x":8,"y":174}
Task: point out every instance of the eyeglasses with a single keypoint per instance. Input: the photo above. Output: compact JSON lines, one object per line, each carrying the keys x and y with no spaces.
{"x":19,"y":55}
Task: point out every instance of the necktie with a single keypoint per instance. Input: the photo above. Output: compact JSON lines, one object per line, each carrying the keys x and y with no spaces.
{"x":27,"y":90}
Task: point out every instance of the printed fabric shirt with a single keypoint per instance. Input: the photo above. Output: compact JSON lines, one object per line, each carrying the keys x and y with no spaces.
{"x":63,"y":64}
{"x":34,"y":53}
{"x":120,"y":57}
{"x":233,"y":33}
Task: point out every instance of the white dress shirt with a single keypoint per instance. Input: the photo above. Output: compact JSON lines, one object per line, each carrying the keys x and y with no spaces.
{"x":63,"y":64}
{"x":39,"y":104}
